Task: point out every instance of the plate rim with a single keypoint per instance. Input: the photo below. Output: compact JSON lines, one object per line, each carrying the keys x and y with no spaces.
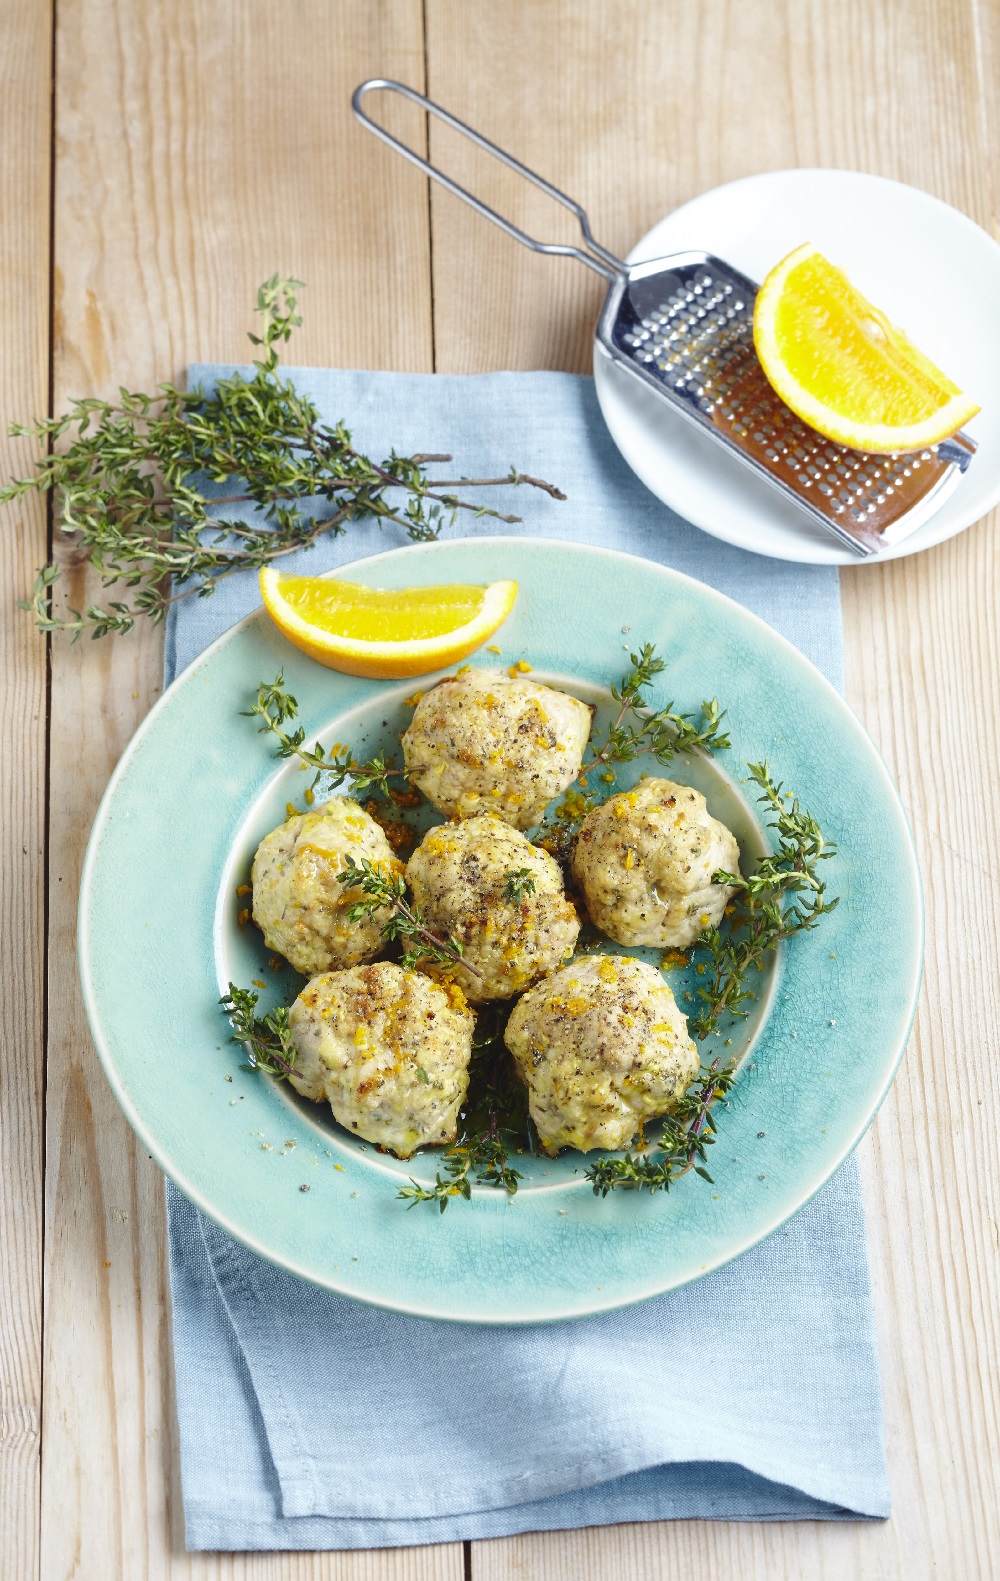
{"x":572,"y":1310}
{"x":821,"y":554}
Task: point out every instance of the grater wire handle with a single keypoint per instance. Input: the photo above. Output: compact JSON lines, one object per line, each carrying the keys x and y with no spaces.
{"x":597,"y":257}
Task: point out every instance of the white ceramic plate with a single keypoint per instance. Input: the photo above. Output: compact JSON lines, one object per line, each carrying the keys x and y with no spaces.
{"x":930,"y":268}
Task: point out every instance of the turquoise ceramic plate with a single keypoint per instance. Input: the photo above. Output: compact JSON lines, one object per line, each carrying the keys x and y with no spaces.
{"x":159,"y":938}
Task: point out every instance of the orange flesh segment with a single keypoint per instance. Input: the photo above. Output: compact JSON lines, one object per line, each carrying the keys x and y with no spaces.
{"x":835,"y":344}
{"x":368,"y":614}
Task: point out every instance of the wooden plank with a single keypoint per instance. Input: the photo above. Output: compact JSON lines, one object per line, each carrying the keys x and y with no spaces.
{"x":25,"y":124}
{"x":633,"y":109}
{"x":202,"y":144}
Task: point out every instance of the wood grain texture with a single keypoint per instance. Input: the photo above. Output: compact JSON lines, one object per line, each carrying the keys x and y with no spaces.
{"x":986,"y":32}
{"x":25,"y":123}
{"x":201,"y":144}
{"x":181,"y":182}
{"x":633,"y":109}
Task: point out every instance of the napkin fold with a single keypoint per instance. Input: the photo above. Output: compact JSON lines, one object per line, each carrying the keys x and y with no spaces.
{"x":311,"y":1421}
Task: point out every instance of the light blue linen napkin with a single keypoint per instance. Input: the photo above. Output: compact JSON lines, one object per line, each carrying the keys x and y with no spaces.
{"x":311,"y":1421}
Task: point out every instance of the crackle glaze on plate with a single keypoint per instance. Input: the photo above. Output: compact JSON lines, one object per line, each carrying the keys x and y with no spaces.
{"x":197,"y":788}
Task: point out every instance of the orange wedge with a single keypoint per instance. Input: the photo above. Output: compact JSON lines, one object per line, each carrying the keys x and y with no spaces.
{"x":843,"y":367}
{"x":386,"y":633}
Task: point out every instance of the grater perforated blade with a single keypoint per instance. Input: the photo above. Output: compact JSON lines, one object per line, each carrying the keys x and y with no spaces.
{"x":683,"y":326}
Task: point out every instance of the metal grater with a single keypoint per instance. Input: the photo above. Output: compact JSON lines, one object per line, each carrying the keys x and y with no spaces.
{"x":683,"y":325}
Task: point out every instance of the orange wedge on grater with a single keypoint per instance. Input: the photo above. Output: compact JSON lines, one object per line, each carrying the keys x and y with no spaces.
{"x":842,"y":367}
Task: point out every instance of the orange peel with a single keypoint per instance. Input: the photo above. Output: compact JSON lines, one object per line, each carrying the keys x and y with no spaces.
{"x":842,"y":367}
{"x":384,"y":633}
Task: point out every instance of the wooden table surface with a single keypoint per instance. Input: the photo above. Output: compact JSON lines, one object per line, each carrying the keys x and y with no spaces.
{"x":159,"y":158}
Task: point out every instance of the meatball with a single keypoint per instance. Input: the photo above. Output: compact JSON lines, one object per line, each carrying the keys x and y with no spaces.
{"x":484,"y":742}
{"x":299,"y":903}
{"x":602,"y":1047}
{"x":390,"y":1051}
{"x":644,"y":861}
{"x":468,"y":881}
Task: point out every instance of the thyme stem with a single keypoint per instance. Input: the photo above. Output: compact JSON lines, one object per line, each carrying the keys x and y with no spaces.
{"x":765,"y":909}
{"x":380,"y":889}
{"x":687,"y":1134}
{"x":133,"y":481}
{"x":268,"y":1040}
{"x":663,"y":733}
{"x":495,"y":1121}
{"x":275,"y":706}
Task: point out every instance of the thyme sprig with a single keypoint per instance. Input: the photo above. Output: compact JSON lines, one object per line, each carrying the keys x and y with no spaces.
{"x":453,"y":1179}
{"x":687,"y":1134}
{"x":784,"y":895}
{"x":268,"y":1039}
{"x":634,"y":732}
{"x":484,"y":1158}
{"x":495,"y":1124}
{"x":663,"y":734}
{"x":138,"y":481}
{"x":275,"y":707}
{"x":384,"y":890}
{"x":518,"y":882}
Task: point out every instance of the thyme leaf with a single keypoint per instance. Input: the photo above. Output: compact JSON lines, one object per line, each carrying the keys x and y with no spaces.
{"x":484,"y":1157}
{"x":380,"y":889}
{"x":783,"y":896}
{"x":268,"y":1039}
{"x":454,"y":1181}
{"x":518,"y":882}
{"x":138,"y":481}
{"x":687,"y":1134}
{"x":637,"y":732}
{"x":494,"y":1124}
{"x":634,"y":732}
{"x":275,"y":707}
